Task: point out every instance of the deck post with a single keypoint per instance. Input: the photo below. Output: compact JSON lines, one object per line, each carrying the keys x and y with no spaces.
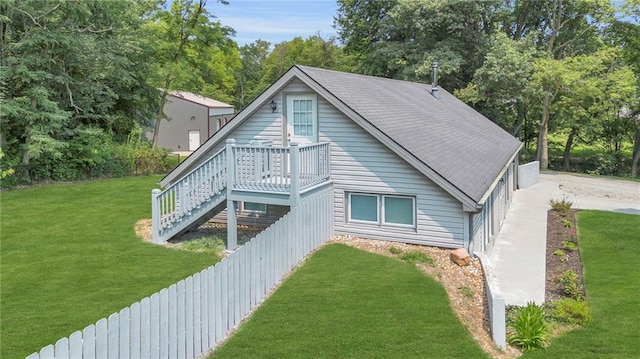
{"x":232,"y":221}
{"x":294,"y":173}
{"x":232,"y":225}
{"x":155,"y":216}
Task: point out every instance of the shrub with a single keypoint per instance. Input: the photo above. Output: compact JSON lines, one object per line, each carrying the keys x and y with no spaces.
{"x":572,"y":311}
{"x":417,"y":257}
{"x":569,"y":245}
{"x":205,"y":244}
{"x":395,"y":250}
{"x":567,"y":223}
{"x":570,"y":287}
{"x":529,"y":329}
{"x":559,"y":253}
{"x":563,"y":206}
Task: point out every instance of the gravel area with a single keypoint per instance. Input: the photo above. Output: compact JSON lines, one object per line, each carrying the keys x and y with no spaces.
{"x":599,"y":187}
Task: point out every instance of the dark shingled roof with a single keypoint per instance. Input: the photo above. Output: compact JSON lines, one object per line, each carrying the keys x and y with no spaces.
{"x":461,"y":145}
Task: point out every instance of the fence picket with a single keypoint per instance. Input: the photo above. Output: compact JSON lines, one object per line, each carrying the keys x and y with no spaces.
{"x":125,"y":337}
{"x":75,"y":345}
{"x":173,"y":321}
{"x":154,"y":326}
{"x":204,"y":311}
{"x":188,"y":323}
{"x":164,"y":323}
{"x":89,"y":342}
{"x":102,"y":334}
{"x":145,"y":328}
{"x":62,"y":349}
{"x":196,"y":335}
{"x":194,"y":315}
{"x":47,"y":352}
{"x":113,"y":325}
{"x":134,"y":321}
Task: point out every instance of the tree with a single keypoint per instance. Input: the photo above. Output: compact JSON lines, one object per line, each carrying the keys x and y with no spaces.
{"x":313,"y":51}
{"x":192,"y":53}
{"x":248,"y":76}
{"x":67,"y":65}
{"x":404,"y":37}
{"x":500,"y":88}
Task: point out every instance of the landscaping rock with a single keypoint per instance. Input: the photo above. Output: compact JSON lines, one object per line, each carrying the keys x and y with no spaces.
{"x":460,"y":257}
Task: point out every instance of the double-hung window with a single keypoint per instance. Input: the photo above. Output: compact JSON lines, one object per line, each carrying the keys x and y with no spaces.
{"x":382,"y":209}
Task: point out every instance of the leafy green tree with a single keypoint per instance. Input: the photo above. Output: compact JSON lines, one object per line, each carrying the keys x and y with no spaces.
{"x":403,"y":37}
{"x":191,"y":52}
{"x":67,"y":65}
{"x":500,"y":88}
{"x":248,"y":76}
{"x":313,"y":51}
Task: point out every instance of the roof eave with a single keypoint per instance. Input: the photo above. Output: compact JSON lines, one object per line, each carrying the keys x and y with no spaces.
{"x":491,"y":187}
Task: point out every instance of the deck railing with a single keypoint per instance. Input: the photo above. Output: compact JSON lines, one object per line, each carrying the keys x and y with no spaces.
{"x":278,"y":169}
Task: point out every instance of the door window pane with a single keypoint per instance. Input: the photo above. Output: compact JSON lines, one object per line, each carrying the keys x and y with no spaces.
{"x":363,"y":207}
{"x":399,"y":210}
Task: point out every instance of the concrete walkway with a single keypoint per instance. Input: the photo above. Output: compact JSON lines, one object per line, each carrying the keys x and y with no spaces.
{"x":518,"y":256}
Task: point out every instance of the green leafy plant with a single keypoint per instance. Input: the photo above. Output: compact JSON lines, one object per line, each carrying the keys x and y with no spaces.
{"x":572,"y":311}
{"x":569,"y":245}
{"x":205,"y":244}
{"x":570,"y":287}
{"x":529,"y":328}
{"x":567,"y":223}
{"x":559,"y":253}
{"x":395,"y":250}
{"x":563,"y":206}
{"x":417,"y":257}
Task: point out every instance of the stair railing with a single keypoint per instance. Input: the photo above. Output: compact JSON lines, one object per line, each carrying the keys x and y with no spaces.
{"x":175,"y":203}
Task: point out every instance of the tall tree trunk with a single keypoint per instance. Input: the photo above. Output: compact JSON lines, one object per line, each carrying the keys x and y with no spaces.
{"x":542,"y":154}
{"x":636,"y":153}
{"x":163,"y":100}
{"x":566,"y":156}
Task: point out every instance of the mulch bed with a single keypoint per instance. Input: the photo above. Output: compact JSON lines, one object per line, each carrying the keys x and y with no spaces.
{"x":558,"y":231}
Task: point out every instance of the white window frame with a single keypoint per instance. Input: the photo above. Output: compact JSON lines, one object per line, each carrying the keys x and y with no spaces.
{"x":413,"y":206}
{"x":380,"y":210}
{"x":252,"y":211}
{"x":377,"y":221}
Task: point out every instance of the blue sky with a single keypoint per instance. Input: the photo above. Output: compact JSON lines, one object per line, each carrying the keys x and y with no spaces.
{"x":276,"y":20}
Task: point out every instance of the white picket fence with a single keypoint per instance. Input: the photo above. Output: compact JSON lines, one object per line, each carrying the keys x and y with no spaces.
{"x":194,"y":315}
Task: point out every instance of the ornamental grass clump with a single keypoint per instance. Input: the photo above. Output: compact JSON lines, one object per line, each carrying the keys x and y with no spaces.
{"x":529,"y":328}
{"x":563,"y":205}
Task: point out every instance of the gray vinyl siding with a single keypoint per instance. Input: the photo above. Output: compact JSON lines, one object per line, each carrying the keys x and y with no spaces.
{"x":360,"y":163}
{"x":255,"y":219}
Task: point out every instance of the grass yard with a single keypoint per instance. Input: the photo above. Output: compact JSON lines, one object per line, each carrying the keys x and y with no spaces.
{"x":609,"y":246}
{"x":70,"y":257}
{"x":347,"y":303}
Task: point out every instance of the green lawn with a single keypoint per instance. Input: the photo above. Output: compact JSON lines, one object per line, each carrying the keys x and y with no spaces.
{"x":610,"y":248}
{"x":70,"y":257}
{"x":347,"y":303}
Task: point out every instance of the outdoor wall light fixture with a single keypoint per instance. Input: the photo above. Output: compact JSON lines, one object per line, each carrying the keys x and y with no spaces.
{"x":273,"y":105}
{"x":193,"y":118}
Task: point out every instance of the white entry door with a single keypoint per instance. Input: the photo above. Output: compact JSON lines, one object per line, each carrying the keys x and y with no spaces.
{"x":194,"y":140}
{"x":302,"y":119}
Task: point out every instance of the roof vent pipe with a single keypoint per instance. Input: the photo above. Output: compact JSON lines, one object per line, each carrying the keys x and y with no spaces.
{"x":434,"y":76}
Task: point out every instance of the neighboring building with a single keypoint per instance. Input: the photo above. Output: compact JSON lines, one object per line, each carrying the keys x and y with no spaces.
{"x":405,"y":161}
{"x":191,"y":120}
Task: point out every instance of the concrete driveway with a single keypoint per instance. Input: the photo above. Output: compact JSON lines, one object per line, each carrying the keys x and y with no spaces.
{"x":518,"y":255}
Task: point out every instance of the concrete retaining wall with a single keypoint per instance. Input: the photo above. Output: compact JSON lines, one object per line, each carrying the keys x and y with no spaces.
{"x":496,"y":304}
{"x":528,"y":174}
